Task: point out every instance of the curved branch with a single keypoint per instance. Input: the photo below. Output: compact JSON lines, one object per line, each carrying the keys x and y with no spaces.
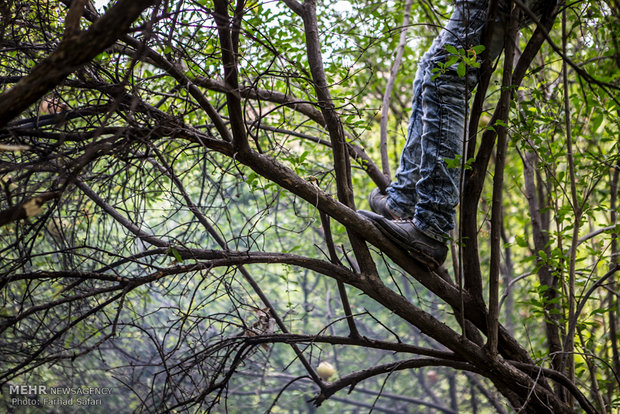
{"x":354,"y":378}
{"x":295,"y":6}
{"x":119,"y":217}
{"x":219,"y":258}
{"x":34,"y":354}
{"x":353,"y":341}
{"x":12,"y":320}
{"x":252,"y":92}
{"x":596,"y":233}
{"x":557,"y":49}
{"x":560,"y":378}
{"x":582,"y":302}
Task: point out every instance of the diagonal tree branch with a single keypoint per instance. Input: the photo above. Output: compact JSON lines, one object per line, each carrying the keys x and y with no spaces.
{"x":356,"y":377}
{"x":303,"y":107}
{"x":342,"y":165}
{"x":28,"y":208}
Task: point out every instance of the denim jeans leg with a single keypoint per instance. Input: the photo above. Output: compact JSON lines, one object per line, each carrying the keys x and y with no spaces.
{"x":402,"y":196}
{"x":437,"y":127}
{"x":444,"y":102}
{"x":424,"y":185}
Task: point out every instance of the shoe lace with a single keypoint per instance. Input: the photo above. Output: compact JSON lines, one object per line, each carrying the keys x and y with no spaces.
{"x":403,"y":221}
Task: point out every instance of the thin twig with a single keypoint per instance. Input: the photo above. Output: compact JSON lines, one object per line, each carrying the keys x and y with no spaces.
{"x":385,"y":108}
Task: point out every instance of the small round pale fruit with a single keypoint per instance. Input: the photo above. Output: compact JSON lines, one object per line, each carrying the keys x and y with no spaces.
{"x":325,"y":370}
{"x":432,"y":376}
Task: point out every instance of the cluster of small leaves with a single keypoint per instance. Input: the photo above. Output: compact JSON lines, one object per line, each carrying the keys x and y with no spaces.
{"x":461,"y":58}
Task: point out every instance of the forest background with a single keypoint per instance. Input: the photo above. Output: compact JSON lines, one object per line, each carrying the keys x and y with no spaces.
{"x":178,"y":217}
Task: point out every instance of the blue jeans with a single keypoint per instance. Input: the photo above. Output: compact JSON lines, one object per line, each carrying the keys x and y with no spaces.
{"x":425,"y":187}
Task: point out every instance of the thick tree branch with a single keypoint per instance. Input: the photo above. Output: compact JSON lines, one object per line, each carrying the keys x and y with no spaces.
{"x":72,"y":53}
{"x":129,"y":225}
{"x":237,"y":125}
{"x":498,"y":181}
{"x":342,"y":164}
{"x":295,"y":6}
{"x":72,"y":21}
{"x":348,"y":340}
{"x":545,"y":273}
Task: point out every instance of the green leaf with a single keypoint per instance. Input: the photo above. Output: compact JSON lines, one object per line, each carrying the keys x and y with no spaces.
{"x":460,"y":70}
{"x":453,"y":162}
{"x":536,"y":70}
{"x":521,"y":242}
{"x":452,"y":50}
{"x":451,"y":61}
{"x":176,"y":254}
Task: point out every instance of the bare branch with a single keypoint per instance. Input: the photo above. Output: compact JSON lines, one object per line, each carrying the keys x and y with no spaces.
{"x":385,"y":108}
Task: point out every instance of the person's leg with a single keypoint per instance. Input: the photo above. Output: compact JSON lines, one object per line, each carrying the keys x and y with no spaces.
{"x":444,"y":102}
{"x":443,"y":108}
{"x":402,"y":196}
{"x":436,"y":128}
{"x":424,"y":185}
{"x":436,"y":133}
